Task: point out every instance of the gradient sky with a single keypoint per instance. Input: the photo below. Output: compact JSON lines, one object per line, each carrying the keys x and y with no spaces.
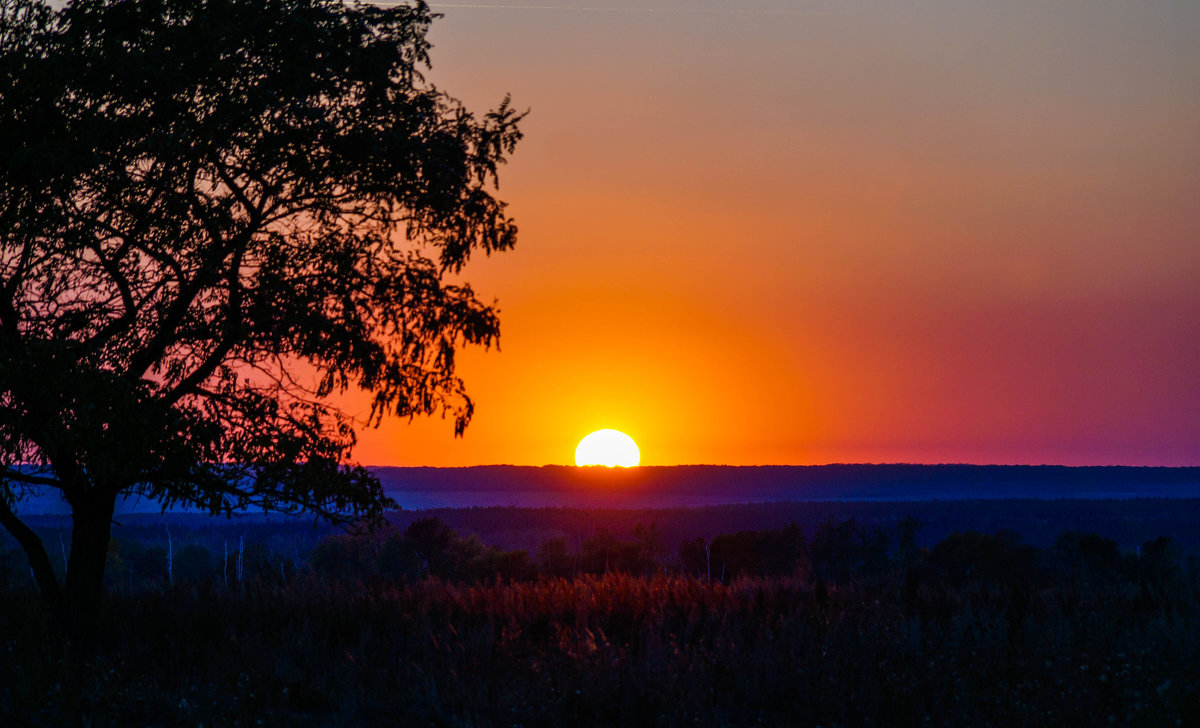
{"x":801,"y":232}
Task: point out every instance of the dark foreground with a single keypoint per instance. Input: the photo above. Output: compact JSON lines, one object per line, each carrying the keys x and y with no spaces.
{"x":978,"y":630}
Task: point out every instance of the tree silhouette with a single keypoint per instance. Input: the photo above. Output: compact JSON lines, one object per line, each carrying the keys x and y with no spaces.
{"x":214,"y":215}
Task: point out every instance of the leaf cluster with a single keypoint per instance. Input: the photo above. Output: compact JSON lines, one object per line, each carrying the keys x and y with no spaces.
{"x":214,"y":214}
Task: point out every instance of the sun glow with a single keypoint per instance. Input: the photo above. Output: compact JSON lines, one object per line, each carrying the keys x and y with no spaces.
{"x":608,"y":447}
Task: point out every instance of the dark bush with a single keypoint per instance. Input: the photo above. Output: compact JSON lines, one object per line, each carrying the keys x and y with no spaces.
{"x":972,"y":556}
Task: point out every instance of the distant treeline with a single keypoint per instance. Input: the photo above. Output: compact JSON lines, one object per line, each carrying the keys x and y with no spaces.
{"x":554,"y":536}
{"x":1129,"y":522}
{"x":836,"y":552}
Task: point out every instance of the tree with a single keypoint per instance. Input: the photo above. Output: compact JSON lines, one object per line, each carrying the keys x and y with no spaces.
{"x":215,"y":217}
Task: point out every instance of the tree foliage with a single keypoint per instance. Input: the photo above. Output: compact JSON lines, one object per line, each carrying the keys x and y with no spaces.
{"x":214,"y":216}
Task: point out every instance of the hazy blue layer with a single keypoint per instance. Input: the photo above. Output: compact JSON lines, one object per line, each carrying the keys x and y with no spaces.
{"x":663,"y":487}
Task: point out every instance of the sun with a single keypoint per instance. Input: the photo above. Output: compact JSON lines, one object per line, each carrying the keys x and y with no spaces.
{"x":608,"y":447}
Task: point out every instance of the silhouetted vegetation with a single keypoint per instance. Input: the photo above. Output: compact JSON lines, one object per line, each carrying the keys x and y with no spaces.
{"x":213,"y":217}
{"x":851,"y":624}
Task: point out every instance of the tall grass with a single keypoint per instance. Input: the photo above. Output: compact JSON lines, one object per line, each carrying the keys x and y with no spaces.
{"x":616,"y":650}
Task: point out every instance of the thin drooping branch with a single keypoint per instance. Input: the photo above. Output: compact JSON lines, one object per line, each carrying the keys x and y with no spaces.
{"x":18,"y":274}
{"x":35,"y":551}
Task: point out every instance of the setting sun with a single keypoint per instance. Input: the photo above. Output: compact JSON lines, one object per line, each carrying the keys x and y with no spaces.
{"x":607,"y":447}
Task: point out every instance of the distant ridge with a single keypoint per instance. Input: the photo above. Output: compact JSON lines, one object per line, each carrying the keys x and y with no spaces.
{"x":726,"y":483}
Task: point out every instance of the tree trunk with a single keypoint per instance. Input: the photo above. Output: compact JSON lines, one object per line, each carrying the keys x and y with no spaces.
{"x":84,"y":588}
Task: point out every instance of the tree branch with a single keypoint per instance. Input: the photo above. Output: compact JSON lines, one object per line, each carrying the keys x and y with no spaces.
{"x":128,"y":304}
{"x":230,"y":336}
{"x":7,"y":473}
{"x":35,"y":551}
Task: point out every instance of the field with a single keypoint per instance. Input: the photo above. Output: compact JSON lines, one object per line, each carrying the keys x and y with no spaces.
{"x":850,"y":622}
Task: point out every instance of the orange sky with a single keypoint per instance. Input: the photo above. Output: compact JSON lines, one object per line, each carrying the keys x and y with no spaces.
{"x":836,"y":232}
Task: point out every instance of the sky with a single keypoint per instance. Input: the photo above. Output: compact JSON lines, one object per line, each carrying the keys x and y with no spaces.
{"x":761,"y":232}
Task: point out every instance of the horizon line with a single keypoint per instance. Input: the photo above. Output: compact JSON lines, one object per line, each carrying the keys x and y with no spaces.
{"x":786,"y":465}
